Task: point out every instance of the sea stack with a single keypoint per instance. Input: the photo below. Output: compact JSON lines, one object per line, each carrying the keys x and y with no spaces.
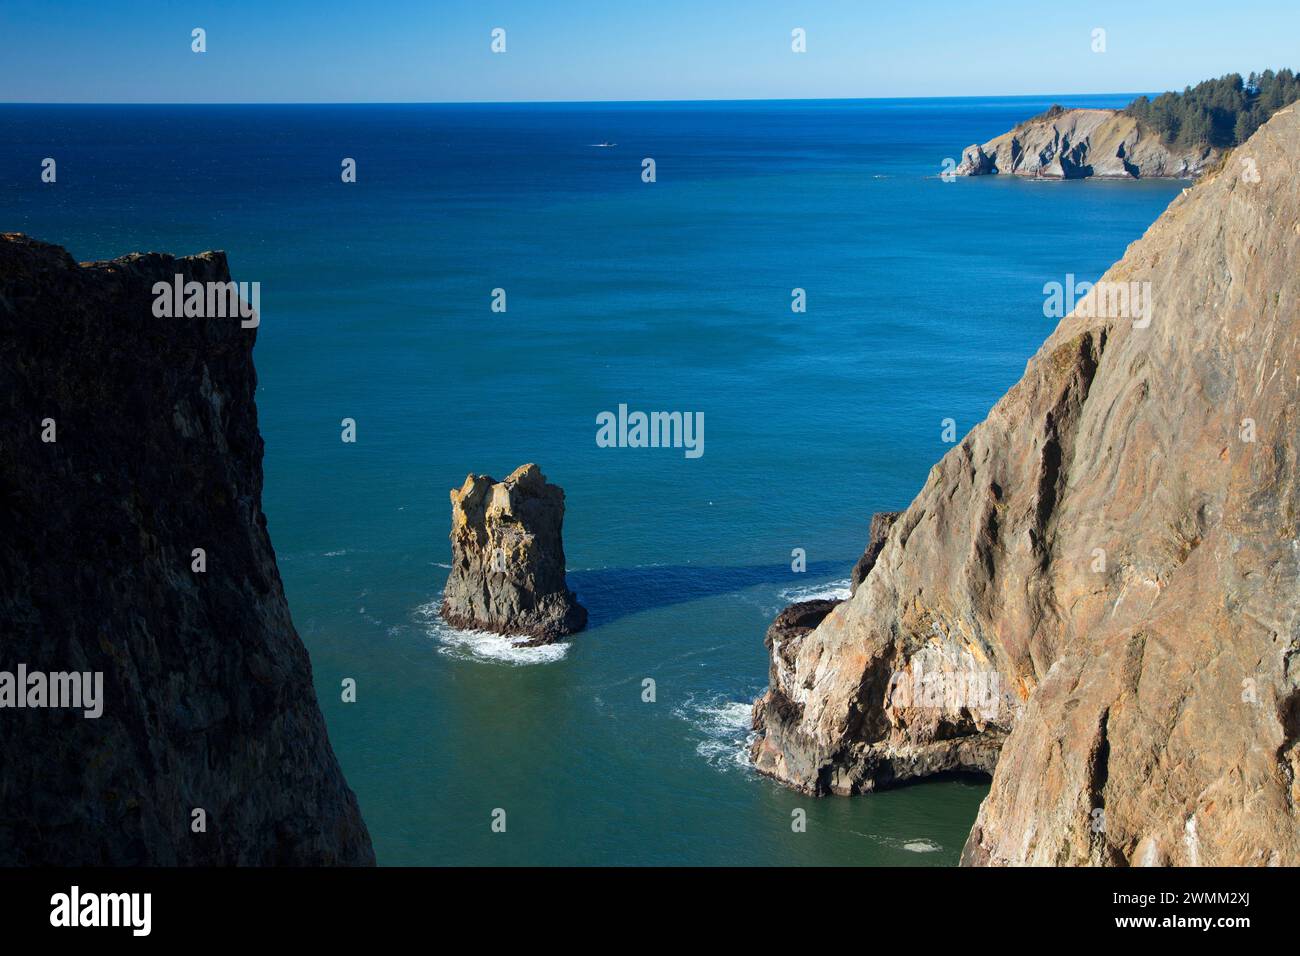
{"x":507,"y":557}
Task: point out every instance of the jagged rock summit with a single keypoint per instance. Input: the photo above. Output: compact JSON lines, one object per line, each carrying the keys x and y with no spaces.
{"x":127,"y":442}
{"x":1078,"y":143}
{"x":1101,"y":583}
{"x":507,"y":565}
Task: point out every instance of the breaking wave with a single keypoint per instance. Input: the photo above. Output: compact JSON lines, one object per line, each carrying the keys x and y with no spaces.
{"x":725,"y":727}
{"x":827,"y":590}
{"x":484,"y":645}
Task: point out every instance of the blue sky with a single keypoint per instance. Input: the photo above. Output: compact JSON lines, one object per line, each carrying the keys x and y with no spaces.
{"x":438,"y":50}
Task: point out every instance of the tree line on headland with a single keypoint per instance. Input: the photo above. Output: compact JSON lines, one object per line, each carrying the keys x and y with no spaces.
{"x":1222,"y":112}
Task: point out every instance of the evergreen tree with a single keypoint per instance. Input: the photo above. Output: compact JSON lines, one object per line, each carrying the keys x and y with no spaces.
{"x":1222,"y":112}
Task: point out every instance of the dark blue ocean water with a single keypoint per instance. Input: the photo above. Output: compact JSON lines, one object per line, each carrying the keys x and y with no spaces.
{"x":924,"y":302}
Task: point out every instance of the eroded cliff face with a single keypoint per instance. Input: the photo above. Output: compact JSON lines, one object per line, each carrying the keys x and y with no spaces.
{"x":207,"y":690}
{"x":1078,"y":143}
{"x":1099,"y":586}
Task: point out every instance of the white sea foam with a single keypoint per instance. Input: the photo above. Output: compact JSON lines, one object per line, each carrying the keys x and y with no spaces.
{"x":922,"y":846}
{"x":727,"y":730}
{"x":484,"y":645}
{"x":827,"y":590}
{"x":918,"y":845}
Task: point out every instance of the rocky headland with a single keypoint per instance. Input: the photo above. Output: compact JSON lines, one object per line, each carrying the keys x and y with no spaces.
{"x":1096,"y":594}
{"x":507,"y":565}
{"x":1078,"y":143}
{"x":134,"y":547}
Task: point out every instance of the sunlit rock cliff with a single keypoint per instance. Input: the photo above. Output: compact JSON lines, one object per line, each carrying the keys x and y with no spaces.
{"x":507,"y":559}
{"x":1078,"y":143}
{"x":1096,"y":592}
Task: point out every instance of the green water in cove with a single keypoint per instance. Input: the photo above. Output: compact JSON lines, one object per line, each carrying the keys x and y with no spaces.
{"x":924,"y":301}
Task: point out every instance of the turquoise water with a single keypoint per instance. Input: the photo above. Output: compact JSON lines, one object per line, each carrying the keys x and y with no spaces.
{"x":924,"y":302}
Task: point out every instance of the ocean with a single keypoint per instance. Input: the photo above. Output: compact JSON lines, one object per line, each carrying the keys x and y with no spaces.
{"x":924,"y":299}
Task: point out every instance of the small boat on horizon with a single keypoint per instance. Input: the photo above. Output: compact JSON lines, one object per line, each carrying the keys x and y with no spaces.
{"x":605,"y":145}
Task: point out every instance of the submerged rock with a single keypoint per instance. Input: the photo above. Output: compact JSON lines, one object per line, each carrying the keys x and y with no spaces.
{"x":133,"y":546}
{"x":507,"y":564}
{"x":1097,"y":591}
{"x":1078,"y":143}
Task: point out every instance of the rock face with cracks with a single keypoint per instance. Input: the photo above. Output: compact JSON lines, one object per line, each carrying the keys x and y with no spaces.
{"x":1081,"y":143}
{"x":128,"y":442}
{"x":881,"y":522}
{"x":1099,"y":586}
{"x":507,"y":572}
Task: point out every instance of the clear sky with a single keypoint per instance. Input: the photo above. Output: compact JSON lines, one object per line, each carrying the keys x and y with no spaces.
{"x":127,"y":51}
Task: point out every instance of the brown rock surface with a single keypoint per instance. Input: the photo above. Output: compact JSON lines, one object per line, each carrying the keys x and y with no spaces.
{"x":1077,"y":143}
{"x":881,"y":522}
{"x":1104,"y":575}
{"x":507,"y":564}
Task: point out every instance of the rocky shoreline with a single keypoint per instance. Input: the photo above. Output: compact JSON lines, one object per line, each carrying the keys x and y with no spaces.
{"x":780,"y":750}
{"x":1094,"y":595}
{"x":1082,"y":143}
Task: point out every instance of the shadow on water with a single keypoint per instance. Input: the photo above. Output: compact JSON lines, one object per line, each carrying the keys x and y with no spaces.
{"x":612,"y":593}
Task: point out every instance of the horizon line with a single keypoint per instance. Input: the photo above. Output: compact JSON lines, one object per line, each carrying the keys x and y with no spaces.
{"x":746,"y":99}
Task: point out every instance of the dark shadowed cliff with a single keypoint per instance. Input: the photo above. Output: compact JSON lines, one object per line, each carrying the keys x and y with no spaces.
{"x":1098,"y":589}
{"x":207,"y":690}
